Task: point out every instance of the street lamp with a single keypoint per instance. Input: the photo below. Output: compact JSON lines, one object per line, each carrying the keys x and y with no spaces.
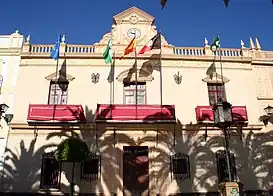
{"x":222,"y":113}
{"x":269,"y":110}
{"x":223,"y":119}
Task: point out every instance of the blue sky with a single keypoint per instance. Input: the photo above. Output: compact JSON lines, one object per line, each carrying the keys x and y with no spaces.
{"x":182,"y":22}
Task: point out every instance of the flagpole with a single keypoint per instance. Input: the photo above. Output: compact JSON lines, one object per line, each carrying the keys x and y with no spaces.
{"x":136,"y":78}
{"x":160,"y":75}
{"x":56,"y":76}
{"x":113,"y":75}
{"x":56,"y":79}
{"x":110,"y":82}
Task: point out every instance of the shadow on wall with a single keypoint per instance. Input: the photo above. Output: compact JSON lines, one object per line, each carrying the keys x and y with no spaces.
{"x":253,"y":159}
{"x":22,"y":168}
{"x":253,"y":156}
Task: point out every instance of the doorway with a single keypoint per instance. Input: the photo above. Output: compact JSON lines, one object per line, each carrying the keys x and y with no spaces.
{"x":135,"y":171}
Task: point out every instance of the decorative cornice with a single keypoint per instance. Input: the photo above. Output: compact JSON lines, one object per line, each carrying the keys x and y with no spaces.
{"x":215,"y":78}
{"x":119,"y":17}
{"x":60,"y":76}
{"x":128,"y":76}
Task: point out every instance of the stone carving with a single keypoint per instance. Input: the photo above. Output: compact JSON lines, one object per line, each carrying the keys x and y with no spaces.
{"x":105,"y":39}
{"x":177,"y":78}
{"x":206,"y":42}
{"x":95,"y":77}
{"x":133,"y":18}
{"x":63,"y":38}
{"x":28,"y":39}
{"x":242,"y":44}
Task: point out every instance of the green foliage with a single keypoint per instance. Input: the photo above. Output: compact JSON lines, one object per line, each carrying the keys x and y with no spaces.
{"x":72,"y":150}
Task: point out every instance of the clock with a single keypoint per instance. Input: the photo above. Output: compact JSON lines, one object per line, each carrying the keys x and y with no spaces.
{"x":132,"y":32}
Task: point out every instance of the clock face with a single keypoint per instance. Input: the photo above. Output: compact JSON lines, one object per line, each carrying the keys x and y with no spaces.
{"x":132,"y":32}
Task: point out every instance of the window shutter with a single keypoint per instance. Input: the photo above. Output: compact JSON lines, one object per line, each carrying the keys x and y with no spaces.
{"x":50,"y":172}
{"x":180,"y":166}
{"x":90,"y":169}
{"x":222,"y":168}
{"x":233,"y":167}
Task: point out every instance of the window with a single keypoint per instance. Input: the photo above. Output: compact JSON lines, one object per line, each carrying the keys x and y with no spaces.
{"x":216,"y":92}
{"x":130,"y":93}
{"x":58,"y":93}
{"x":50,"y":172}
{"x":90,"y":169}
{"x":180,"y":166}
{"x":222,"y":166}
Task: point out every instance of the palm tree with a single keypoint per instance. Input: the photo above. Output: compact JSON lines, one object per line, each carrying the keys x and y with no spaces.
{"x":16,"y":177}
{"x":163,"y":3}
{"x":252,"y":159}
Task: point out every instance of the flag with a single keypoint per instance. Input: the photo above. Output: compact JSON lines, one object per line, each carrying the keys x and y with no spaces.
{"x":62,"y":79}
{"x":56,"y":49}
{"x":130,"y":48}
{"x":211,"y":70}
{"x":215,"y":44}
{"x":107,"y":55}
{"x":111,"y":74}
{"x":154,"y":43}
{"x":163,"y":3}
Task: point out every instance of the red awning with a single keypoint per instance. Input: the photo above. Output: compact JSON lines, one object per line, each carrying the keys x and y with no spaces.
{"x":133,"y":113}
{"x":55,"y":113}
{"x":206,"y":114}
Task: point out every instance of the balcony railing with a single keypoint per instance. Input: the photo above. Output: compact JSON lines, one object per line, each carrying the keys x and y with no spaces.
{"x":206,"y":114}
{"x":86,"y":50}
{"x":135,"y":113}
{"x":55,"y":113}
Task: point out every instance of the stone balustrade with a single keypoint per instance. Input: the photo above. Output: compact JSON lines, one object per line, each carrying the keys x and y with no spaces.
{"x":184,"y":52}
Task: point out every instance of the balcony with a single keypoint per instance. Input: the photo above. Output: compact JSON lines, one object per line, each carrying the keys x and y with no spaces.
{"x":135,"y":113}
{"x":205,"y":114}
{"x":55,"y":113}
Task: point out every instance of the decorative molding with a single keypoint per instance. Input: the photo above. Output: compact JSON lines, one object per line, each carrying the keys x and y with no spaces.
{"x":129,"y":75}
{"x":265,"y":98}
{"x":215,"y":78}
{"x":143,"y":16}
{"x":133,"y":18}
{"x":177,"y":78}
{"x":60,"y":76}
{"x":95,"y":77}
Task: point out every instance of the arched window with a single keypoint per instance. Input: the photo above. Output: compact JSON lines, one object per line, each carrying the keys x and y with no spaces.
{"x":216,"y":87}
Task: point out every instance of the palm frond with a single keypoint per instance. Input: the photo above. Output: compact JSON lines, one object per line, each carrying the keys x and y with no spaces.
{"x":226,"y":2}
{"x":163,"y":3}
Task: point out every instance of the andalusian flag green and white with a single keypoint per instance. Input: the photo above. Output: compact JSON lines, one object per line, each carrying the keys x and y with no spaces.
{"x":107,"y":55}
{"x":215,"y":44}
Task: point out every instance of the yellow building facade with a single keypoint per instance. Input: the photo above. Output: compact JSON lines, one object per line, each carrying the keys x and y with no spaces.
{"x":10,"y":51}
{"x":140,"y":149}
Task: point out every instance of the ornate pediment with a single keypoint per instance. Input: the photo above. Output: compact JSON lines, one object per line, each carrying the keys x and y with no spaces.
{"x":215,"y":78}
{"x":133,"y":15}
{"x":61,"y":76}
{"x":126,"y":22}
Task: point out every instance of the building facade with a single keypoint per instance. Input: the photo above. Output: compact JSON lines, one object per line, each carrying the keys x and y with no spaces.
{"x":10,"y":50}
{"x":143,"y":148}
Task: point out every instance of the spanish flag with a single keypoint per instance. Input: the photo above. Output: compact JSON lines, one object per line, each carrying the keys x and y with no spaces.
{"x":130,"y":48}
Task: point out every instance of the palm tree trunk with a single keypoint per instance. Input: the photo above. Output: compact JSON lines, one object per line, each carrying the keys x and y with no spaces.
{"x":72,"y":181}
